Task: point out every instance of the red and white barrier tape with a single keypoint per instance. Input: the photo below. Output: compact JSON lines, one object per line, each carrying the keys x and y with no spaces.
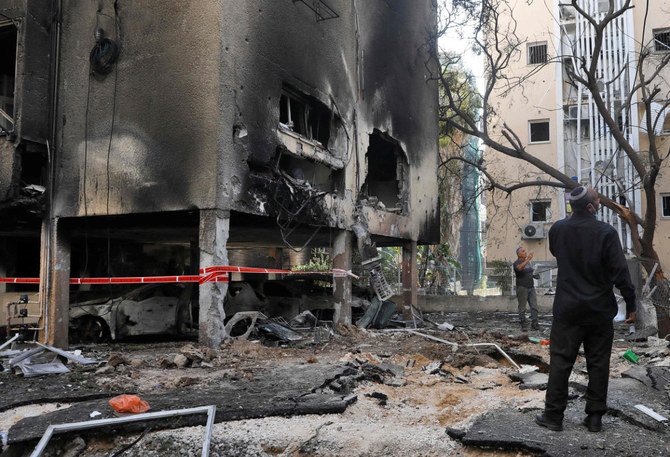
{"x":208,"y":274}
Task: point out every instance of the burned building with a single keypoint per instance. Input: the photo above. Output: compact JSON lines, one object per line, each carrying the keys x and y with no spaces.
{"x":161,"y":137}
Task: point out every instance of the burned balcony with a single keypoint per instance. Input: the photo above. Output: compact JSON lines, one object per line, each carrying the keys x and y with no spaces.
{"x":308,"y":133}
{"x":385,"y":184}
{"x":308,"y":128}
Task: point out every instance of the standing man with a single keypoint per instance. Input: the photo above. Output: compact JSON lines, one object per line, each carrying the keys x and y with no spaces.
{"x":525,"y":290}
{"x":590,"y":262}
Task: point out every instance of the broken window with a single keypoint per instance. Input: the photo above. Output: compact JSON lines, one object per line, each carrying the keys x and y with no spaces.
{"x":7,"y":75}
{"x":537,"y":53}
{"x":386,"y":170}
{"x":305,"y":116}
{"x":540,"y":211}
{"x":310,"y":173}
{"x":32,"y":167}
{"x":538,"y":131}
{"x":662,"y":40}
{"x":665,"y":205}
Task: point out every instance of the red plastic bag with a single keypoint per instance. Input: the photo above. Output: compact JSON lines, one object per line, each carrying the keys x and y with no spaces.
{"x":129,"y":404}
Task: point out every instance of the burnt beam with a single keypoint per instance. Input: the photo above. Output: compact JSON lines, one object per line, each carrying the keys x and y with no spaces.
{"x":55,"y":287}
{"x":342,"y":285}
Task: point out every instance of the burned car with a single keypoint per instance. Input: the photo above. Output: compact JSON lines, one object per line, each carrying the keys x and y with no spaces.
{"x":153,"y":309}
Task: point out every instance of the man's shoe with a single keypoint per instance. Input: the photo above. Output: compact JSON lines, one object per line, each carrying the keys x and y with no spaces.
{"x":542,"y":421}
{"x":535,"y":326}
{"x":594,"y":422}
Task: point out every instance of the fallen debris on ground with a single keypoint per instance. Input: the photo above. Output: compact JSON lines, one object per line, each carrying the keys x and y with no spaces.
{"x":358,"y":391}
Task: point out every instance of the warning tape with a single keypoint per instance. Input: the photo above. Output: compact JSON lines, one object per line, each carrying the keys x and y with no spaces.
{"x":207,"y":274}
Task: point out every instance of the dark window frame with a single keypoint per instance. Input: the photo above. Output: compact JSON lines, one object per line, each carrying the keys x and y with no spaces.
{"x":661,"y":39}
{"x":533,"y":133}
{"x":306,"y":116}
{"x":665,"y":206}
{"x":540,"y":210}
{"x":537,"y":53}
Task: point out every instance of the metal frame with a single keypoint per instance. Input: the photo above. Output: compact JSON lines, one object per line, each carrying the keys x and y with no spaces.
{"x":85,"y":425}
{"x":9,"y":341}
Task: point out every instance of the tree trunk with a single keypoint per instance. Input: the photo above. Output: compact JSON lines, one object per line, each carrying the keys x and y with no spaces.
{"x":644,"y":250}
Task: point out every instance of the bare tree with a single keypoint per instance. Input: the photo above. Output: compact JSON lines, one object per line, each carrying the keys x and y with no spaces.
{"x":618,"y":93}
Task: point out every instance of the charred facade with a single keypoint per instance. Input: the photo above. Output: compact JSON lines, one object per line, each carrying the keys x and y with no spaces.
{"x":209,"y":127}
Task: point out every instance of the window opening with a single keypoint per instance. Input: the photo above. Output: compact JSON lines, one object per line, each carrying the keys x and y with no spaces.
{"x":662,"y":40}
{"x":386,"y":170}
{"x":539,"y":131}
{"x":305,"y":116}
{"x":665,"y":205}
{"x":7,"y":76}
{"x":540,"y":211}
{"x":310,"y":173}
{"x":537,"y":53}
{"x":32,"y":167}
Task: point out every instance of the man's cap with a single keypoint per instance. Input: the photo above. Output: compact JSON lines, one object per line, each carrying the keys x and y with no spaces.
{"x":580,"y":197}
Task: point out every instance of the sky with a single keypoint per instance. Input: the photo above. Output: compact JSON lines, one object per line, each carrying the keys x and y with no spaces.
{"x":450,"y":41}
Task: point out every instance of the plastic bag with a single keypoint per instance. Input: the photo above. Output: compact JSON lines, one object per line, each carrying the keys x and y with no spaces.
{"x":129,"y":404}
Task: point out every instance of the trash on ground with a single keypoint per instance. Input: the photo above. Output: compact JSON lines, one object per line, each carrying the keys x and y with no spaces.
{"x":630,"y":356}
{"x":651,"y":413}
{"x":129,"y":404}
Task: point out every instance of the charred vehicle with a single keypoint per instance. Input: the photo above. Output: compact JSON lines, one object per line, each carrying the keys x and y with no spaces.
{"x":154,"y":309}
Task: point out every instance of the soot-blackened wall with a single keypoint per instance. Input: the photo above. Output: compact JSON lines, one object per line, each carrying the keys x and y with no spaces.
{"x":188,"y":118}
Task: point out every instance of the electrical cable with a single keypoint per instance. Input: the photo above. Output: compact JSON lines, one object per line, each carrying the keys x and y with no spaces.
{"x":128,"y":446}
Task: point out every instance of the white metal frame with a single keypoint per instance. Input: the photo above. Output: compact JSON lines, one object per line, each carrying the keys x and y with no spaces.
{"x":62,"y":428}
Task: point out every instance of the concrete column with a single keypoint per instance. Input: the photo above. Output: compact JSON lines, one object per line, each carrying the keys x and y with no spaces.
{"x":409,"y":278}
{"x":342,"y":286}
{"x":4,"y":257}
{"x":214,"y":230}
{"x":55,"y":284}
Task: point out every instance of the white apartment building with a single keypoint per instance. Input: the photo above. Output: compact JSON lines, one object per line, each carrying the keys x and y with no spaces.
{"x":557,"y":120}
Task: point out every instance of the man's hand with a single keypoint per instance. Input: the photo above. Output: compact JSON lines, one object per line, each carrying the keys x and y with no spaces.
{"x":631,"y":317}
{"x":530,"y":256}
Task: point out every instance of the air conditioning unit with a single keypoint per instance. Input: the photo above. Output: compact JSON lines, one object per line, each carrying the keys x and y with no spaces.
{"x":533,"y":231}
{"x":573,"y":112}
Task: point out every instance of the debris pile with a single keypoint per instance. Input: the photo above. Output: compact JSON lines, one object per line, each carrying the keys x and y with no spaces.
{"x":41,"y":359}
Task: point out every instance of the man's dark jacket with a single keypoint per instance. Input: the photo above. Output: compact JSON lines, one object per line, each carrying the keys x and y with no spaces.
{"x":590,"y":261}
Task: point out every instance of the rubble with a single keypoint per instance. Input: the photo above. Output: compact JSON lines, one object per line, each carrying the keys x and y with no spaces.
{"x":369,"y":387}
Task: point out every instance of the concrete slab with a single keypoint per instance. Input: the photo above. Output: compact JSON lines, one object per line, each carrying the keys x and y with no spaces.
{"x":625,"y":393}
{"x":511,"y":429}
{"x":626,"y":430}
{"x":276,"y":392}
{"x":531,"y":380}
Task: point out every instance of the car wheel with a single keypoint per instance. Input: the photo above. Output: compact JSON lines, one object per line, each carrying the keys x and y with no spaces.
{"x":92,"y":330}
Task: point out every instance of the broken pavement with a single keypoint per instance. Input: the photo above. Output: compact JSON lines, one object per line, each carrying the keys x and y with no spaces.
{"x":369,"y":392}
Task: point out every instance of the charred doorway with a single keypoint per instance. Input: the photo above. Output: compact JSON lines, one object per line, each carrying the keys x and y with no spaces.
{"x":387,"y":168}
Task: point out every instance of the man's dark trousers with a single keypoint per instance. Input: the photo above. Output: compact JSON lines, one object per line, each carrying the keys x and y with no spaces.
{"x":565,"y":340}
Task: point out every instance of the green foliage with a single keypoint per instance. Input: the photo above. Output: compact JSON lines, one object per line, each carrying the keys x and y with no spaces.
{"x":391,"y":263}
{"x":320,"y":261}
{"x":463,"y":90}
{"x":435,"y":263}
{"x":502,"y":271}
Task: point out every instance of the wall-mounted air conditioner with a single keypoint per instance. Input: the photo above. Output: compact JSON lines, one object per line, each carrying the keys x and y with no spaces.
{"x":533,"y":231}
{"x":574,"y":114}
